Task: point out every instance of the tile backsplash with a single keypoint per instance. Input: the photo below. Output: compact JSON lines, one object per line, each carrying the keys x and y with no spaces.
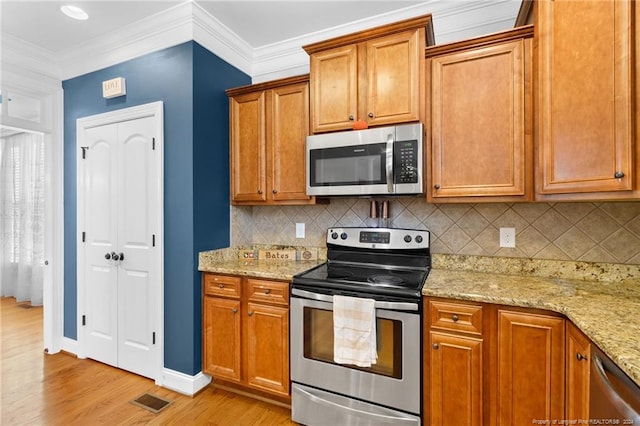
{"x":591,"y":232}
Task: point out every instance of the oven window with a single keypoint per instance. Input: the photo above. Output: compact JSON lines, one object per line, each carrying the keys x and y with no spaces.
{"x":318,"y":342}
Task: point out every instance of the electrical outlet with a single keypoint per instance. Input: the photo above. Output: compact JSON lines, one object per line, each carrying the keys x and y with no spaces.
{"x":508,"y":237}
{"x":299,"y":230}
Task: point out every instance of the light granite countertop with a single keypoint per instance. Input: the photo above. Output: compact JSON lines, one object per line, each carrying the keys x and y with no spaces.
{"x":603,"y":300}
{"x":230,"y":261}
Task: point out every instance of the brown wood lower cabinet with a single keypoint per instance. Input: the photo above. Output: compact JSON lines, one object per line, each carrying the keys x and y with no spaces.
{"x":530,"y":367}
{"x":246,"y":333}
{"x":488,"y":364}
{"x":578,"y":372}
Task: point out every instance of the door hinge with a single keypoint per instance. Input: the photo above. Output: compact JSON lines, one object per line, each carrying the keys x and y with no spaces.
{"x":153,"y":240}
{"x":84,"y":151}
{"x":84,"y":320}
{"x":84,"y":236}
{"x":153,"y":144}
{"x":153,"y":338}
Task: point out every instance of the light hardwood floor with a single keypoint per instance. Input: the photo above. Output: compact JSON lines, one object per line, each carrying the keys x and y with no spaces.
{"x":41,"y":389}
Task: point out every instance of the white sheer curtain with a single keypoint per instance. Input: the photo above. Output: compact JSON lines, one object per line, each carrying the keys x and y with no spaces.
{"x":22,"y":216}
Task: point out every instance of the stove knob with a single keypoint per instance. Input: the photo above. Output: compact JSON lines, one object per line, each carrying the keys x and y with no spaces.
{"x":418,"y":239}
{"x":407,"y":238}
{"x":334,"y":235}
{"x":343,"y":236}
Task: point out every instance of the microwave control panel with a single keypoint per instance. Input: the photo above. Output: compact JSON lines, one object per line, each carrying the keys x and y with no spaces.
{"x":405,"y":156}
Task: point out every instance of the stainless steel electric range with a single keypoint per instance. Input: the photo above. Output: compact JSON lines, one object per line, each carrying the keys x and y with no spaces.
{"x":389,"y":266}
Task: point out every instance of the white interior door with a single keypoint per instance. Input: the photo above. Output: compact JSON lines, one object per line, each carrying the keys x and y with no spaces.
{"x":99,"y":207}
{"x":120,"y":252}
{"x":138,"y":174}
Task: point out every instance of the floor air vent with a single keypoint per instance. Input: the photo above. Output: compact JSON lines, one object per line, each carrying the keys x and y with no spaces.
{"x":151,"y":402}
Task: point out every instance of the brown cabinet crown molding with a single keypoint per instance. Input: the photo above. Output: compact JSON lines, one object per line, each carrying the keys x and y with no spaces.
{"x":479,"y":42}
{"x":267,"y":85}
{"x":424,"y":21}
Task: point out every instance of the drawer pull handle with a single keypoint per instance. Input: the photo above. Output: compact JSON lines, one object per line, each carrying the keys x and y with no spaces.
{"x":455,"y":318}
{"x":436,"y":346}
{"x":267,"y":291}
{"x":221,"y":285}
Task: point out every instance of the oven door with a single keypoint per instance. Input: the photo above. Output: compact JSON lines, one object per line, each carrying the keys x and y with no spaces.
{"x":394,"y":381}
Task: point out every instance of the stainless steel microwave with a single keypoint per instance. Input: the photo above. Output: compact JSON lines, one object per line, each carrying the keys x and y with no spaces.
{"x":383,"y":160}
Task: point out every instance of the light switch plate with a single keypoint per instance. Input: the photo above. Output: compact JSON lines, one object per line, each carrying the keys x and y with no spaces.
{"x":299,"y":230}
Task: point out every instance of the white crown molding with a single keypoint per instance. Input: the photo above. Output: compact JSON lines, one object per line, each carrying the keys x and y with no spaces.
{"x":189,"y":21}
{"x":216,"y":37}
{"x":157,"y":32}
{"x":287,"y":58}
{"x":24,"y":57}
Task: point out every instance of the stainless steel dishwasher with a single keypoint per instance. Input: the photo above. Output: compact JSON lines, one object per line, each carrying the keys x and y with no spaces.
{"x":614,"y":397}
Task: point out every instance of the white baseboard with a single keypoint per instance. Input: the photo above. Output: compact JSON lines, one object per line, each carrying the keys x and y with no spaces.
{"x":183,"y":383}
{"x":70,"y":345}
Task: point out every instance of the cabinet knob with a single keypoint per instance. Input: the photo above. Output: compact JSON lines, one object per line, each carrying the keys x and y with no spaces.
{"x":221,"y":285}
{"x":250,"y":313}
{"x":107,"y":256}
{"x":580,"y":357}
{"x":455,"y":318}
{"x":351,"y":118}
{"x":260,"y":191}
{"x":436,"y":186}
{"x":618,"y":175}
{"x":370,"y":115}
{"x":275,"y":191}
{"x":234,"y":310}
{"x":267,"y":291}
{"x":436,"y":346}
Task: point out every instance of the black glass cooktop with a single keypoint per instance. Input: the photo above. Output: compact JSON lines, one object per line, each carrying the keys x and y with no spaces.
{"x":364,"y":279}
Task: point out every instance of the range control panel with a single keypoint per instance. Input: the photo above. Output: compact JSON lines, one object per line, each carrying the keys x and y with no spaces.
{"x":383,"y":238}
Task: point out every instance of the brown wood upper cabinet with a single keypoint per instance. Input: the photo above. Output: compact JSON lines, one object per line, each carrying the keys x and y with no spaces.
{"x":269,"y":123}
{"x":481,"y":119}
{"x":375,"y":75}
{"x":586,"y":90}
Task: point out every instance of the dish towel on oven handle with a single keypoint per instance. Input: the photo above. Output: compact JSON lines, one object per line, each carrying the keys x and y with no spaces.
{"x":354,"y":331}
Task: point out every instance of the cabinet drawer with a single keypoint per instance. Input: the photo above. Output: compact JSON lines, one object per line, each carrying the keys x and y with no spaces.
{"x":222,"y":285}
{"x":268,"y":291}
{"x":456,"y":316}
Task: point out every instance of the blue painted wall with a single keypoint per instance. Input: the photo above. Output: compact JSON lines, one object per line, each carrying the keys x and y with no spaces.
{"x":191,"y":82}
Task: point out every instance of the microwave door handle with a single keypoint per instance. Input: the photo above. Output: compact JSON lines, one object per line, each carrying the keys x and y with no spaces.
{"x":389,"y":163}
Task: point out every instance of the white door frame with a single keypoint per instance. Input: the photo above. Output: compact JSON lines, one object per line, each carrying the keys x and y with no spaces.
{"x":49,"y":92}
{"x":132,"y":113}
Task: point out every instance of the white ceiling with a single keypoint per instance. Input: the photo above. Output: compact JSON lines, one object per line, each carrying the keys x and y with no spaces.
{"x":259,"y":24}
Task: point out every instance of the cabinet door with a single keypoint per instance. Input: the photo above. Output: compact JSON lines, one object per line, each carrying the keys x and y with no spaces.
{"x":392,"y":85}
{"x":268,"y":348}
{"x":578,"y":356}
{"x":222,"y":338}
{"x":248,"y":147}
{"x":288,"y":127}
{"x":334,"y":88}
{"x":585,"y":94}
{"x":530,"y":368}
{"x":479,"y":144}
{"x":456,"y":380}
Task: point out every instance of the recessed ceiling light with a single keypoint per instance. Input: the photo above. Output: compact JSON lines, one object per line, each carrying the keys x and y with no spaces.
{"x":74,"y":12}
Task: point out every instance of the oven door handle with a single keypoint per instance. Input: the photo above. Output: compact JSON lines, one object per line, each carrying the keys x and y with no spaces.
{"x":360,"y":414}
{"x":397,"y":306}
{"x":389,"y":163}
